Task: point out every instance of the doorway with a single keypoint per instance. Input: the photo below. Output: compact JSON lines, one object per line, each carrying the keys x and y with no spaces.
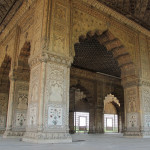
{"x":81,"y":122}
{"x":110,"y":123}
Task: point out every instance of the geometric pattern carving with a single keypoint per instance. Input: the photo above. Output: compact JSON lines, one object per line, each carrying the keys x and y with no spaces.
{"x":93,"y":56}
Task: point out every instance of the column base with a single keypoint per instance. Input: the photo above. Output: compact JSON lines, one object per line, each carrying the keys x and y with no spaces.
{"x":137,"y":134}
{"x":41,"y":138}
{"x":13,"y":134}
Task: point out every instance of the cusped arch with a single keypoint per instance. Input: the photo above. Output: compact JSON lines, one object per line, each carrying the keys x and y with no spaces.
{"x":22,"y":69}
{"x":82,"y":89}
{"x":4,"y":72}
{"x":111,"y":99}
{"x":24,"y":53}
{"x":113,"y":44}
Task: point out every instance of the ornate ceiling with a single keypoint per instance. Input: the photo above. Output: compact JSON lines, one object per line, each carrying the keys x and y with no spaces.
{"x":93,"y":56}
{"x":136,"y":10}
{"x":7,"y":10}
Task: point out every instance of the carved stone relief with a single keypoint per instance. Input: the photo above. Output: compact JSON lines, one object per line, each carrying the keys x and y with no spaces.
{"x":32,"y":115}
{"x":146,"y":106}
{"x":22,"y":101}
{"x":34,"y":84}
{"x":55,"y":83}
{"x":146,"y":100}
{"x":3,"y":110}
{"x":60,"y":12}
{"x":56,"y":98}
{"x":2,"y":122}
{"x":3,"y":103}
{"x":20,"y":106}
{"x":20,"y":119}
{"x":132,"y":120}
{"x":147,"y":120}
{"x":132,"y":100}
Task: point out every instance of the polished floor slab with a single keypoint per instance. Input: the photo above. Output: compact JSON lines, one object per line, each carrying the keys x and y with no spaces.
{"x":82,"y":142}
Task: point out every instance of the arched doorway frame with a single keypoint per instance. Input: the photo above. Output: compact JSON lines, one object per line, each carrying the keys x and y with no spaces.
{"x":121,"y":55}
{"x":20,"y":74}
{"x":110,"y":98}
{"x":4,"y":91}
{"x":87,"y":100}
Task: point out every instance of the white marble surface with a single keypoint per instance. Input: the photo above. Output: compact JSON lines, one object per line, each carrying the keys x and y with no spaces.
{"x":82,"y":142}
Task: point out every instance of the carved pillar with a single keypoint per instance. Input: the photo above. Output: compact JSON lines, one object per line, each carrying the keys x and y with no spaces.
{"x":121,"y":118}
{"x":71,"y":122}
{"x":99,"y":120}
{"x":4,"y":95}
{"x":48,"y":107}
{"x":71,"y":110}
{"x":119,"y":123}
{"x":10,"y":105}
{"x":92,"y":126}
{"x":17,"y":107}
{"x":137,"y":112}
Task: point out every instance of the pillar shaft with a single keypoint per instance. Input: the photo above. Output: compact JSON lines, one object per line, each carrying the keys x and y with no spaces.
{"x":48,"y":106}
{"x":137,"y":112}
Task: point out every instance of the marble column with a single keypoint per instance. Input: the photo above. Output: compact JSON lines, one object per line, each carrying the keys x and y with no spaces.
{"x":137,"y":108}
{"x":92,"y":126}
{"x":48,"y":106}
{"x":10,"y":106}
{"x":99,"y":120}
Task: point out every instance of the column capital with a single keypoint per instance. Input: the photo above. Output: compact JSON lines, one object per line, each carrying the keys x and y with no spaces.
{"x":46,"y":56}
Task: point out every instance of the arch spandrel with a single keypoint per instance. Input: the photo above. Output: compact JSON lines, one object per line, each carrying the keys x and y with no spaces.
{"x":87,"y":19}
{"x":119,"y":51}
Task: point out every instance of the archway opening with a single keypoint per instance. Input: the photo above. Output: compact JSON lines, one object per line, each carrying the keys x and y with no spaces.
{"x":4,"y":91}
{"x":20,"y":100}
{"x":79,"y":109}
{"x":111,"y":114}
{"x":100,"y":64}
{"x":81,"y":122}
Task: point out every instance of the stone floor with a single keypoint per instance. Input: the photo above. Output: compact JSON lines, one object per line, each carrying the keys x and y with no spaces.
{"x":82,"y":142}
